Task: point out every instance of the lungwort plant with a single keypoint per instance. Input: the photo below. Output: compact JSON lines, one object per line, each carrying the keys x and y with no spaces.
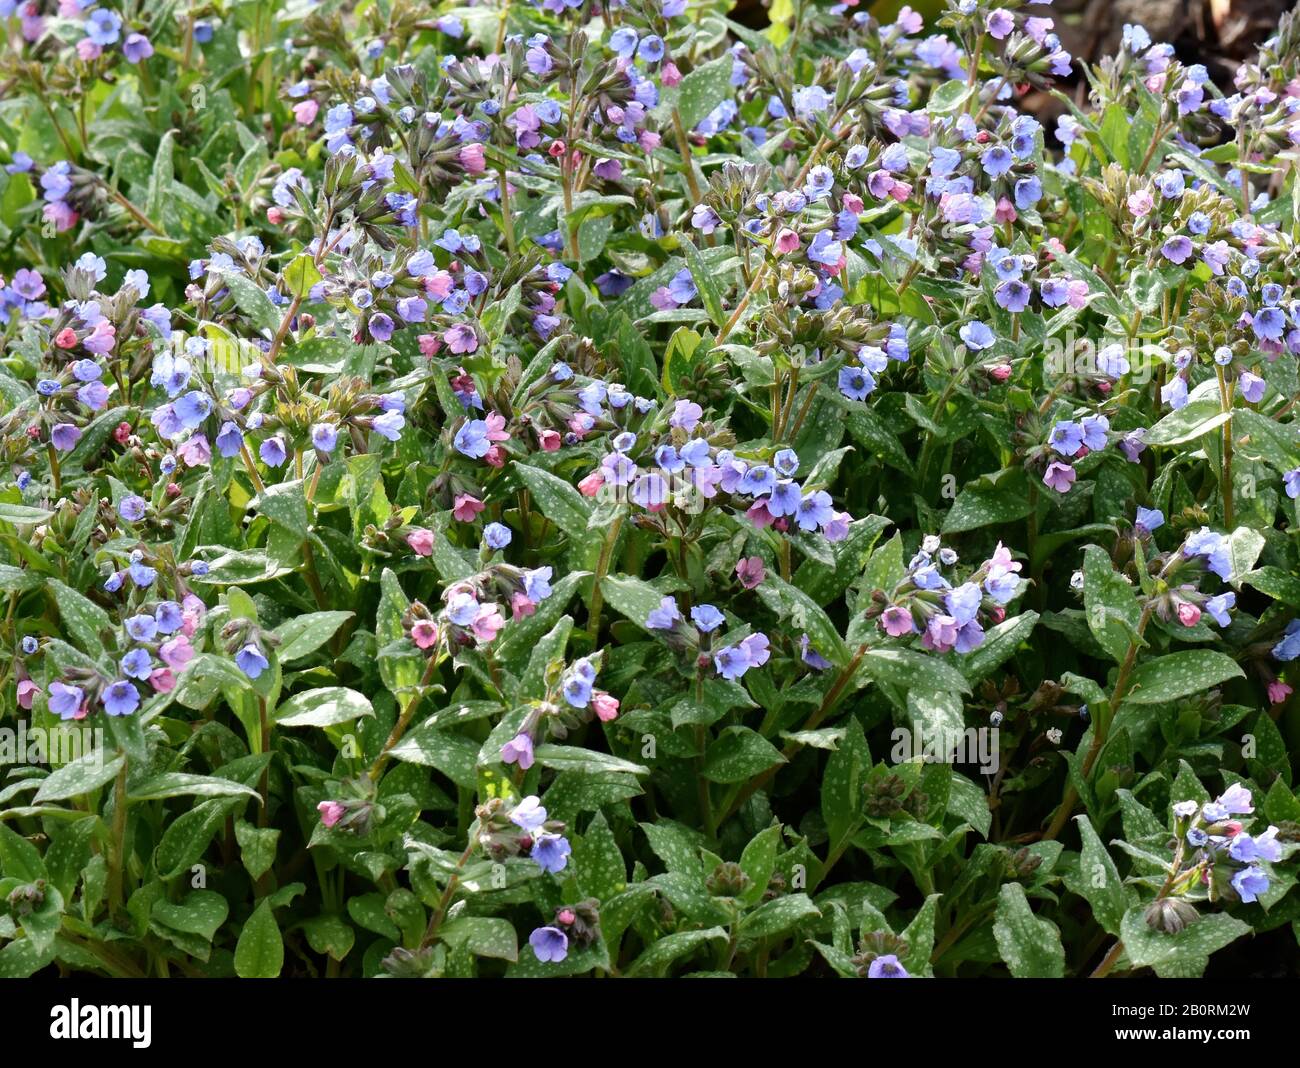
{"x":571,"y":488}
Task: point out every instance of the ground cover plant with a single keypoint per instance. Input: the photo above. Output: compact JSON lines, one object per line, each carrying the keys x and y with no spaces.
{"x":547,"y":489}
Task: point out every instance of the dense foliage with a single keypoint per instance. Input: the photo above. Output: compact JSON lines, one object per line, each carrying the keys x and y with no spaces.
{"x":549,"y":489}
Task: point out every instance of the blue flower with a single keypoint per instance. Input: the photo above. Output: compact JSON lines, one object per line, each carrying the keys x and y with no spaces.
{"x":664,"y":617}
{"x":472,"y":439}
{"x":137,"y":664}
{"x":1149,"y":519}
{"x":1066,"y":437}
{"x":537,"y":584}
{"x":121,"y":698}
{"x":103,"y":26}
{"x":824,"y":249}
{"x":856,"y":383}
{"x":272,"y":451}
{"x":963,"y":603}
{"x":577,"y":691}
{"x":1289,"y":647}
{"x":496,"y":535}
{"x":551,"y":852}
{"x":1250,"y":883}
{"x":996,"y":161}
{"x":815,"y":510}
{"x":251,"y":661}
{"x":707,"y":618}
{"x":976,"y":335}
{"x":1218,"y":607}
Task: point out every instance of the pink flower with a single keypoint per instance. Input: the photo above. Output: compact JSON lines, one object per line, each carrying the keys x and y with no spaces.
{"x":1278,"y":691}
{"x":853,"y":202}
{"x":897,"y":621}
{"x":176,"y":652}
{"x":521,"y":605}
{"x":439,"y":285}
{"x":1005,"y":211}
{"x":330,"y":812}
{"x":606,"y":706}
{"x":496,"y":457}
{"x":1141,"y":203}
{"x":496,"y":427}
{"x":27,"y":691}
{"x":61,"y":215}
{"x":67,"y":338}
{"x":519,"y":750}
{"x":750,"y":571}
{"x":671,"y":75}
{"x":759,"y":515}
{"x":590,"y":485}
{"x":471,"y":158}
{"x":429,"y":345}
{"x":87,"y":50}
{"x":487,"y":623}
{"x":787,"y":241}
{"x":421,"y":541}
{"x":425,"y":633}
{"x":467,"y":507}
{"x":196,"y":452}
{"x":1188,"y":614}
{"x":162,"y":680}
{"x":305,"y":112}
{"x":550,"y":440}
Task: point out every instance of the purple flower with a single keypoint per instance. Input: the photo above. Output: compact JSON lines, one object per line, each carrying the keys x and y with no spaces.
{"x":650,"y":491}
{"x":132,"y":508}
{"x":815,"y":510}
{"x":550,"y":944}
{"x":1059,"y":477}
{"x":686,"y":415}
{"x":707,"y":618}
{"x":824,"y":249}
{"x":519,"y":750}
{"x":1251,"y":387}
{"x":888,"y":965}
{"x":496,"y":535}
{"x":996,"y":161}
{"x":1177,"y":249}
{"x":66,"y":701}
{"x":272,"y":451}
{"x":664,"y":617}
{"x":136,"y":47}
{"x":63,"y":436}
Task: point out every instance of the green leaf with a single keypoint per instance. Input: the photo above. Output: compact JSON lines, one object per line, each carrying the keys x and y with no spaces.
{"x":1110,"y":604}
{"x":988,"y":501}
{"x":259,"y":954}
{"x":301,"y":635}
{"x":323,"y":707}
{"x":1184,"y":954}
{"x":1180,"y":674}
{"x":557,"y":500}
{"x":23,"y":514}
{"x":778,"y":917}
{"x":19,"y":859}
{"x":252,"y":301}
{"x":84,"y":619}
{"x":256,"y":847}
{"x":1097,"y":880}
{"x":999,"y":645}
{"x":452,"y":754}
{"x":80,"y":777}
{"x":1030,"y":946}
{"x":703,"y":90}
{"x":301,"y":275}
{"x":705,"y":280}
{"x":842,"y":798}
{"x":571,"y":758}
{"x":484,"y":936}
{"x":655,"y":961}
{"x":801,"y":614}
{"x":183,"y":784}
{"x":739,"y":754}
